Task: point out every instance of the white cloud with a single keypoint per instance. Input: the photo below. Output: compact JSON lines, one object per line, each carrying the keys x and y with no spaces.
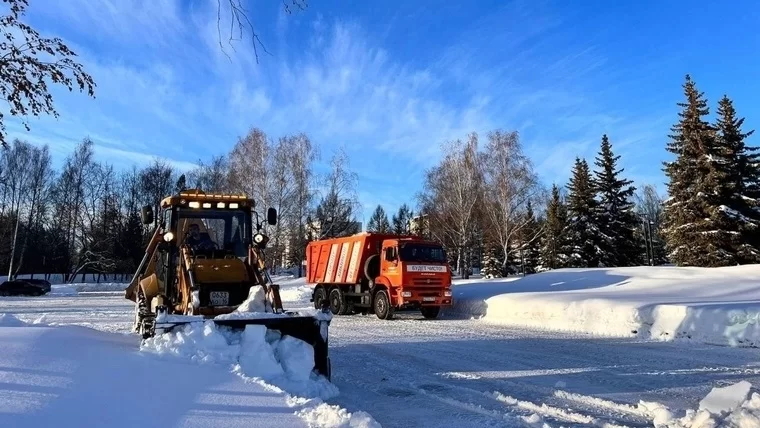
{"x":166,"y":89}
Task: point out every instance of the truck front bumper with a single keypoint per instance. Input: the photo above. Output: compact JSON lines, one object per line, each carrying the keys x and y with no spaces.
{"x":415,"y":298}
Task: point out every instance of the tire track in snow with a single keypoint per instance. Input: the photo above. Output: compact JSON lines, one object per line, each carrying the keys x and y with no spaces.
{"x":483,"y":402}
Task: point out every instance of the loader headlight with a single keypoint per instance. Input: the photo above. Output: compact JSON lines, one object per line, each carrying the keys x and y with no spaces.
{"x":168,"y":236}
{"x":258,"y":238}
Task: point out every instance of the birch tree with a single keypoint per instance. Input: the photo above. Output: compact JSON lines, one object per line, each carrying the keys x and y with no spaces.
{"x":248,"y":166}
{"x":453,"y":190}
{"x":302,"y":155}
{"x":510,"y":185}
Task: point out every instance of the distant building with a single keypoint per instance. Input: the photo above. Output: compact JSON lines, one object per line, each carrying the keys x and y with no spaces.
{"x":419,"y":224}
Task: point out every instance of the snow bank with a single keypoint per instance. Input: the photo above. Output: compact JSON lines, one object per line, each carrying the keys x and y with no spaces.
{"x":73,"y":289}
{"x":97,"y":287}
{"x":293,"y":290}
{"x":282,"y":364}
{"x":731,"y":406}
{"x":79,"y":377}
{"x":710,"y":305}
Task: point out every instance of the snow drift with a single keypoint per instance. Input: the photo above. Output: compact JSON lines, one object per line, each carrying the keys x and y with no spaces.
{"x":710,"y":305}
{"x":731,"y":406}
{"x":75,"y":376}
{"x":281,"y":364}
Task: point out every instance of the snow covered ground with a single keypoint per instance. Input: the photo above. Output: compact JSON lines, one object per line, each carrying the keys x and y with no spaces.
{"x":73,"y":376}
{"x":716,"y":306}
{"x":457,"y":371}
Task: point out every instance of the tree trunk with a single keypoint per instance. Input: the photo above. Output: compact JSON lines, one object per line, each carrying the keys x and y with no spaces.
{"x":13,"y":246}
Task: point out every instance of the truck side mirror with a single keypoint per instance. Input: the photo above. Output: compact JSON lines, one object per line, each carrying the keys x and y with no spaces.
{"x":147,"y":214}
{"x":272,"y":216}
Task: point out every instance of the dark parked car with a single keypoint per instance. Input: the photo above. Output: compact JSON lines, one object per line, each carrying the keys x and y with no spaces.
{"x":25,"y":287}
{"x":45,"y":284}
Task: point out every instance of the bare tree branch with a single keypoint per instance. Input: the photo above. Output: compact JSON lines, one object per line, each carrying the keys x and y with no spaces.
{"x":239,"y":18}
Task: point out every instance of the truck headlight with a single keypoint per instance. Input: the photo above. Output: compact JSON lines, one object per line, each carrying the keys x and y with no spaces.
{"x":406,"y":294}
{"x":447,"y":293}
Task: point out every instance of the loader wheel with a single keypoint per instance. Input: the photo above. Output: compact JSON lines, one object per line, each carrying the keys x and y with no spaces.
{"x":430,"y":312}
{"x":338,"y":304}
{"x":319,"y":297}
{"x":382,"y":305}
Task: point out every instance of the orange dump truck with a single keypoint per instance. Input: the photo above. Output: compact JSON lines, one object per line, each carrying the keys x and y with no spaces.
{"x":381,"y":273}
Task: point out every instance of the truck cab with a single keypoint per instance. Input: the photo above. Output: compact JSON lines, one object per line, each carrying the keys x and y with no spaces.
{"x":418,"y":274}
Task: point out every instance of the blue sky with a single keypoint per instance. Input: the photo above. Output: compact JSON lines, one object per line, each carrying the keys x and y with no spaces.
{"x":392,"y":80}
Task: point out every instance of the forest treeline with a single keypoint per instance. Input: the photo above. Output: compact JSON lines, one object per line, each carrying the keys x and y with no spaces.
{"x":483,"y":200}
{"x":486,"y":203}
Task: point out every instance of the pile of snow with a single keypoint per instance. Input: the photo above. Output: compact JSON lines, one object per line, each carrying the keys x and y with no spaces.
{"x":254,"y":306}
{"x":296,"y":293}
{"x":282,"y":364}
{"x":731,"y":406}
{"x":71,"y":376}
{"x":711,"y":305}
{"x":320,"y":414}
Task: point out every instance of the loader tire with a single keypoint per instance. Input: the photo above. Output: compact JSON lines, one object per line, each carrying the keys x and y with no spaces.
{"x":338,"y":305}
{"x":382,"y":305}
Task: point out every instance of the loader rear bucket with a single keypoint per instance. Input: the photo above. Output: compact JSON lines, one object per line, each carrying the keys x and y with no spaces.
{"x":310,"y":329}
{"x":306,"y":328}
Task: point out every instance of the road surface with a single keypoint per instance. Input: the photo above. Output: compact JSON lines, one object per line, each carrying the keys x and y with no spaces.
{"x":467,"y":373}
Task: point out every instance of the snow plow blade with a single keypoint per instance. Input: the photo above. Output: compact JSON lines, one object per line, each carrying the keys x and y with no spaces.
{"x":309,"y":328}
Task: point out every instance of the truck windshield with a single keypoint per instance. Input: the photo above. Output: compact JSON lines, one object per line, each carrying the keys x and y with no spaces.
{"x":212,"y":229}
{"x":422,"y":253}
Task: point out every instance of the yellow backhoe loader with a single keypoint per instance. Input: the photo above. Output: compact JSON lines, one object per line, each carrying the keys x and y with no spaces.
{"x":203,"y":260}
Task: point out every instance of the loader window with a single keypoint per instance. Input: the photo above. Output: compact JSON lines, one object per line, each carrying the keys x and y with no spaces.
{"x":226,"y":229}
{"x":422,"y":253}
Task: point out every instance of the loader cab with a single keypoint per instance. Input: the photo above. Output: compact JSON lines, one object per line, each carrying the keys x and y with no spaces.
{"x":210,"y":227}
{"x":213,"y":228}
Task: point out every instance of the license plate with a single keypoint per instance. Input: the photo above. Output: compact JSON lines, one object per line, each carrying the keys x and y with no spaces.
{"x":219,"y":298}
{"x":428,"y":299}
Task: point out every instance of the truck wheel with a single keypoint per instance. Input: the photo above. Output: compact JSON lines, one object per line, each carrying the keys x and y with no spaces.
{"x":319,"y":297}
{"x":430,"y":312}
{"x":338,"y":304}
{"x":382,"y":305}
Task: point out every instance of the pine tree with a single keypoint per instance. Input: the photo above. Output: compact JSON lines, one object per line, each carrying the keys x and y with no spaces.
{"x":694,"y":235}
{"x":615,"y":212}
{"x":378,"y":223}
{"x":333,"y":218}
{"x":551,"y":238}
{"x":528,"y":251}
{"x":582,"y":247}
{"x":737,"y":177}
{"x":492,"y":266}
{"x":401,"y":220}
